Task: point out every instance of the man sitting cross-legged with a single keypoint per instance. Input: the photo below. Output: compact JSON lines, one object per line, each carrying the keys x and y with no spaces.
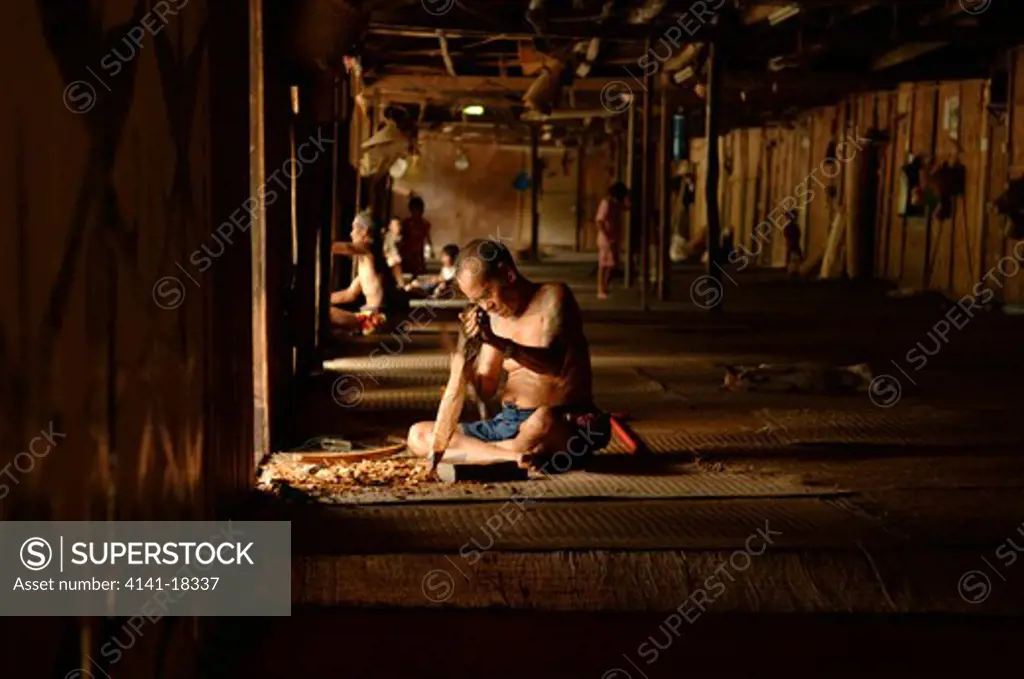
{"x":371,"y":280}
{"x":534,"y":332}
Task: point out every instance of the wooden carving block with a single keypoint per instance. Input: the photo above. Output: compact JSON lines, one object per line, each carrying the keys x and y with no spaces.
{"x":493,"y":472}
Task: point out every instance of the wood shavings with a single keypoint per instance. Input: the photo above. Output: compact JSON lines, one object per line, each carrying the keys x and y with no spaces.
{"x":404,"y":475}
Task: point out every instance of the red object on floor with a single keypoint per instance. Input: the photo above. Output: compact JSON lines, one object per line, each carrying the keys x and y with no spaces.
{"x":629,"y":439}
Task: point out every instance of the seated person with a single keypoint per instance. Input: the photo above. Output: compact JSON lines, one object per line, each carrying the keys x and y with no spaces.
{"x":534,"y":332}
{"x":444,"y":284}
{"x":371,"y":279}
{"x":392,"y":253}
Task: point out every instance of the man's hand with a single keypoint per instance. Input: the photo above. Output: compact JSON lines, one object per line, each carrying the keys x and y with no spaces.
{"x":475,"y":321}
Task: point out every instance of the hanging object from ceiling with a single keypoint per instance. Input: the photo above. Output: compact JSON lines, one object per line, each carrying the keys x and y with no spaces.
{"x":545,"y":90}
{"x":382,"y":149}
{"x":399,"y":168}
{"x":461,"y":162}
{"x":522,"y":181}
{"x":680,"y":146}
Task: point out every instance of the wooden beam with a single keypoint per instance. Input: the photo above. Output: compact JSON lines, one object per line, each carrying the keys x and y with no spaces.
{"x":905,"y":53}
{"x":575,"y":31}
{"x":448,"y":63}
{"x":440,"y":86}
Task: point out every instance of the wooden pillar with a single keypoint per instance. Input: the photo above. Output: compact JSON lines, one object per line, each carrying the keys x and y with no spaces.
{"x":345,"y":181}
{"x":931,"y":222}
{"x":264,"y":344}
{"x":272,"y":247}
{"x":635,"y":197}
{"x":359,"y":138}
{"x":329,"y":227}
{"x":580,"y":191}
{"x":311,"y":169}
{"x":645,"y":211}
{"x":985,"y":180}
{"x":535,"y":180}
{"x":713,"y":115}
{"x":665,"y":182}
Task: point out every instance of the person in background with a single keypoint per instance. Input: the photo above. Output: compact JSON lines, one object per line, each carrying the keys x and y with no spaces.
{"x":371,"y":280}
{"x":609,"y":234}
{"x":444,"y":284}
{"x":415,"y":235}
{"x":392,"y":253}
{"x":794,"y":250}
{"x":449,"y":255}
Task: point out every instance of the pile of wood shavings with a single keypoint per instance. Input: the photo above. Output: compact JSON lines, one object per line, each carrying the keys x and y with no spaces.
{"x":396,"y":475}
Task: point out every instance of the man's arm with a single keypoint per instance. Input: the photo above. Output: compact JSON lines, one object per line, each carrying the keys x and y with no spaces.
{"x":350,"y":249}
{"x":549,"y":358}
{"x":488,"y":371}
{"x":349,"y":294}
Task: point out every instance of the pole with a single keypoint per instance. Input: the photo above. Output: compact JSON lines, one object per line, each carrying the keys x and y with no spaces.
{"x":535,"y":179}
{"x":580,"y":186}
{"x":713,"y":113}
{"x":329,"y":227}
{"x":665,"y":181}
{"x":635,"y":198}
{"x":645,"y":212}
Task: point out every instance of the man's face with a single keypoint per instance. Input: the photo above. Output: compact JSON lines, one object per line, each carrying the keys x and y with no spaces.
{"x":494,"y":295}
{"x":360,"y":234}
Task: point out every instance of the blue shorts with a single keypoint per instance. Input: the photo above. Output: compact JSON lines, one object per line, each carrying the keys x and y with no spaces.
{"x":502,"y":427}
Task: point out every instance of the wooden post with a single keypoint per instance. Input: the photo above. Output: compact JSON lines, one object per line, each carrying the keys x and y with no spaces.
{"x":665,"y":182}
{"x":360,"y":121}
{"x":272,"y":268}
{"x":311,"y":176}
{"x":645,"y":212}
{"x":713,"y":113}
{"x":635,"y":197}
{"x":535,"y":180}
{"x":580,"y":190}
{"x":985,"y":179}
{"x":931,"y":221}
{"x":329,"y":227}
{"x":266,"y":345}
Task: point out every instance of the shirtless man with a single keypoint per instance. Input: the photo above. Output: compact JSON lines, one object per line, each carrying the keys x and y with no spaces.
{"x":534,"y":332}
{"x":369,"y":279}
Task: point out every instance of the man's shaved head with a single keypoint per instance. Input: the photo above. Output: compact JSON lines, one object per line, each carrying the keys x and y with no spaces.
{"x":485,"y":259}
{"x":487,"y":275}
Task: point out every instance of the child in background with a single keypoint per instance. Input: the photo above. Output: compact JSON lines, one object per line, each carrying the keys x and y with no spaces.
{"x":610,"y":219}
{"x":449,"y":253}
{"x":444,"y":284}
{"x":392,"y":243}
